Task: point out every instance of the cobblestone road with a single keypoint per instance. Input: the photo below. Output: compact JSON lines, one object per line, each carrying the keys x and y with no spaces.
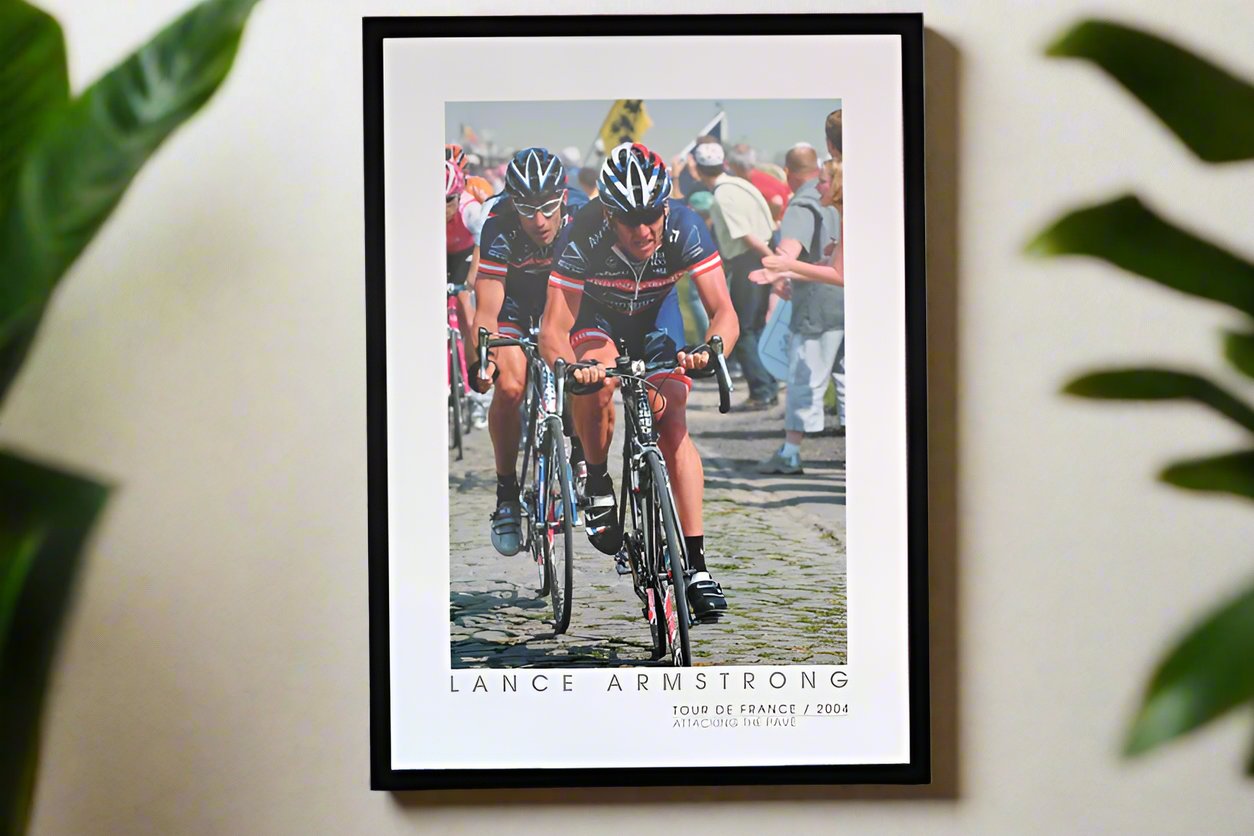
{"x":775,"y":543}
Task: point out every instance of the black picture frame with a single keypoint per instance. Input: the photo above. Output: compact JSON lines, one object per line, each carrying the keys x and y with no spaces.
{"x":907,"y":27}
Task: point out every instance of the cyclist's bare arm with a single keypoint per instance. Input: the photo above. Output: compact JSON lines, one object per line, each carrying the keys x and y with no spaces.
{"x":712,"y":288}
{"x":561,"y":306}
{"x":490,"y":296}
{"x":560,"y":309}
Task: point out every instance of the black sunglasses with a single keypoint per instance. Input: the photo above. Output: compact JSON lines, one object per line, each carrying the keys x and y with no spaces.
{"x":452,"y":198}
{"x":639,"y":217}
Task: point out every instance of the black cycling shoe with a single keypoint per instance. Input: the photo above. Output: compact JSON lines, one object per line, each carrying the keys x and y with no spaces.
{"x":705,"y":598}
{"x":600,"y":518}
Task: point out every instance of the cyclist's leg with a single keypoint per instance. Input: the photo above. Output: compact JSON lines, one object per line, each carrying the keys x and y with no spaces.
{"x":593,"y":414}
{"x":504,"y":423}
{"x":505,"y":430}
{"x":683,"y":462}
{"x":670,"y":404}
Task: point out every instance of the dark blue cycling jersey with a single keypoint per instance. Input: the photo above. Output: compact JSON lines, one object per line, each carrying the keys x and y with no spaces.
{"x":507,"y":254}
{"x":589,"y":260}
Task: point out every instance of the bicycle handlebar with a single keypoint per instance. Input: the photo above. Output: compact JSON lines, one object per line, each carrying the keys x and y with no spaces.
{"x":487,"y":341}
{"x":565,"y":371}
{"x":623,"y":369}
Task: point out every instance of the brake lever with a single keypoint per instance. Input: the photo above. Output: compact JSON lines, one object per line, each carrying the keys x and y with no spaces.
{"x":559,"y":386}
{"x":724,"y":377}
{"x":484,"y":337}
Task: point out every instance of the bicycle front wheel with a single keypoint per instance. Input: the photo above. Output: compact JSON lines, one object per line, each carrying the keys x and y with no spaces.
{"x":456,"y":398}
{"x":559,"y":525}
{"x":669,"y":565}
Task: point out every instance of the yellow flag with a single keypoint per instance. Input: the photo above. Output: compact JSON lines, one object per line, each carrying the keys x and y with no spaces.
{"x":627,"y":121}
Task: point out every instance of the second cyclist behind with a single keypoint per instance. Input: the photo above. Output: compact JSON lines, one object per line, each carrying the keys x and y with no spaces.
{"x":514,"y":258}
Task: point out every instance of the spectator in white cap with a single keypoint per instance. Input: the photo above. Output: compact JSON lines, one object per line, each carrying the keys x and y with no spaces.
{"x":743,"y":225}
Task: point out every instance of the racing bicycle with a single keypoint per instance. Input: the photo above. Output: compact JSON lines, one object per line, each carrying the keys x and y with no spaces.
{"x":458,"y":390}
{"x":653,"y":545}
{"x":550,"y":508}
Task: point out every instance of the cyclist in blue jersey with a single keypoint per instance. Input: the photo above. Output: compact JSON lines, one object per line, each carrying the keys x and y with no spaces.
{"x":613,"y":278}
{"x":515,"y":253}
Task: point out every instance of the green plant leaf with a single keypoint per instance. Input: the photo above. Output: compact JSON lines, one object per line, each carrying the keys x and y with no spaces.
{"x":45,"y":516}
{"x":15,"y":341}
{"x":33,"y":82}
{"x":1239,"y":349}
{"x":1249,"y":760}
{"x":1208,"y":672}
{"x":1207,"y":107}
{"x":86,"y":156}
{"x":1128,"y":234}
{"x":1231,"y":473}
{"x":1161,"y":385}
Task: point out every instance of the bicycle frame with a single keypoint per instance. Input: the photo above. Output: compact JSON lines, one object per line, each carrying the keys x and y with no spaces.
{"x":540,"y":404}
{"x":655,"y":550}
{"x":455,"y":336}
{"x":542,"y":401}
{"x":639,"y":438}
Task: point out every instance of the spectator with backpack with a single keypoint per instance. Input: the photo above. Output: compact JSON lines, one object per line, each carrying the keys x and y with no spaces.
{"x":743,"y":226}
{"x":809,"y":235}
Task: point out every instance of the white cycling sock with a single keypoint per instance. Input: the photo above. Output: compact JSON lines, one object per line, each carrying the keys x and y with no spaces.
{"x":790,"y":450}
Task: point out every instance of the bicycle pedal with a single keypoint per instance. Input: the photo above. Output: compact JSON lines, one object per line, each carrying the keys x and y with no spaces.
{"x":621,"y":566}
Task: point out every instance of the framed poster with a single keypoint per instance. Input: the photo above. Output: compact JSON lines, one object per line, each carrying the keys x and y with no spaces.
{"x":608,"y":544}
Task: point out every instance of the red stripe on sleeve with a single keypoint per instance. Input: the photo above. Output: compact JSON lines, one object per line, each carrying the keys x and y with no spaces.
{"x":706,"y":265}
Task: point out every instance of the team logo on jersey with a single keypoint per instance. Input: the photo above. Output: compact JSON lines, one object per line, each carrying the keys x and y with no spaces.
{"x":572,"y":258}
{"x":692,"y":247}
{"x":595,"y":238}
{"x":499,"y":247}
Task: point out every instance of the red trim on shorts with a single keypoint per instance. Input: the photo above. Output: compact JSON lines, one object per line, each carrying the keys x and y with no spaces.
{"x":657,"y":378}
{"x":586,"y":335}
{"x":507,"y":329}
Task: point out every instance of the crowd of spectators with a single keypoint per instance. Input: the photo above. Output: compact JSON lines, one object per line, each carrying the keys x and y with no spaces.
{"x":780,"y":240}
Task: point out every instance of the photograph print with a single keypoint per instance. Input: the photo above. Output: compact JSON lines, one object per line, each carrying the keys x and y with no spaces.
{"x":620,"y":516}
{"x":648,"y":480}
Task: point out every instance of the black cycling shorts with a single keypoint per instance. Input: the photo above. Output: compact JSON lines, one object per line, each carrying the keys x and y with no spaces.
{"x":523,"y":304}
{"x":653,"y":336}
{"x":459,"y":266}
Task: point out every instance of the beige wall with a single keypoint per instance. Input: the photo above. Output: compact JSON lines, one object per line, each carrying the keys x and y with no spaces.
{"x":208,"y":355}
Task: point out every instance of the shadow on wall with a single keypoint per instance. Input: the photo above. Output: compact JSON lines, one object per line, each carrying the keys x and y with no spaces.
{"x":943,"y":99}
